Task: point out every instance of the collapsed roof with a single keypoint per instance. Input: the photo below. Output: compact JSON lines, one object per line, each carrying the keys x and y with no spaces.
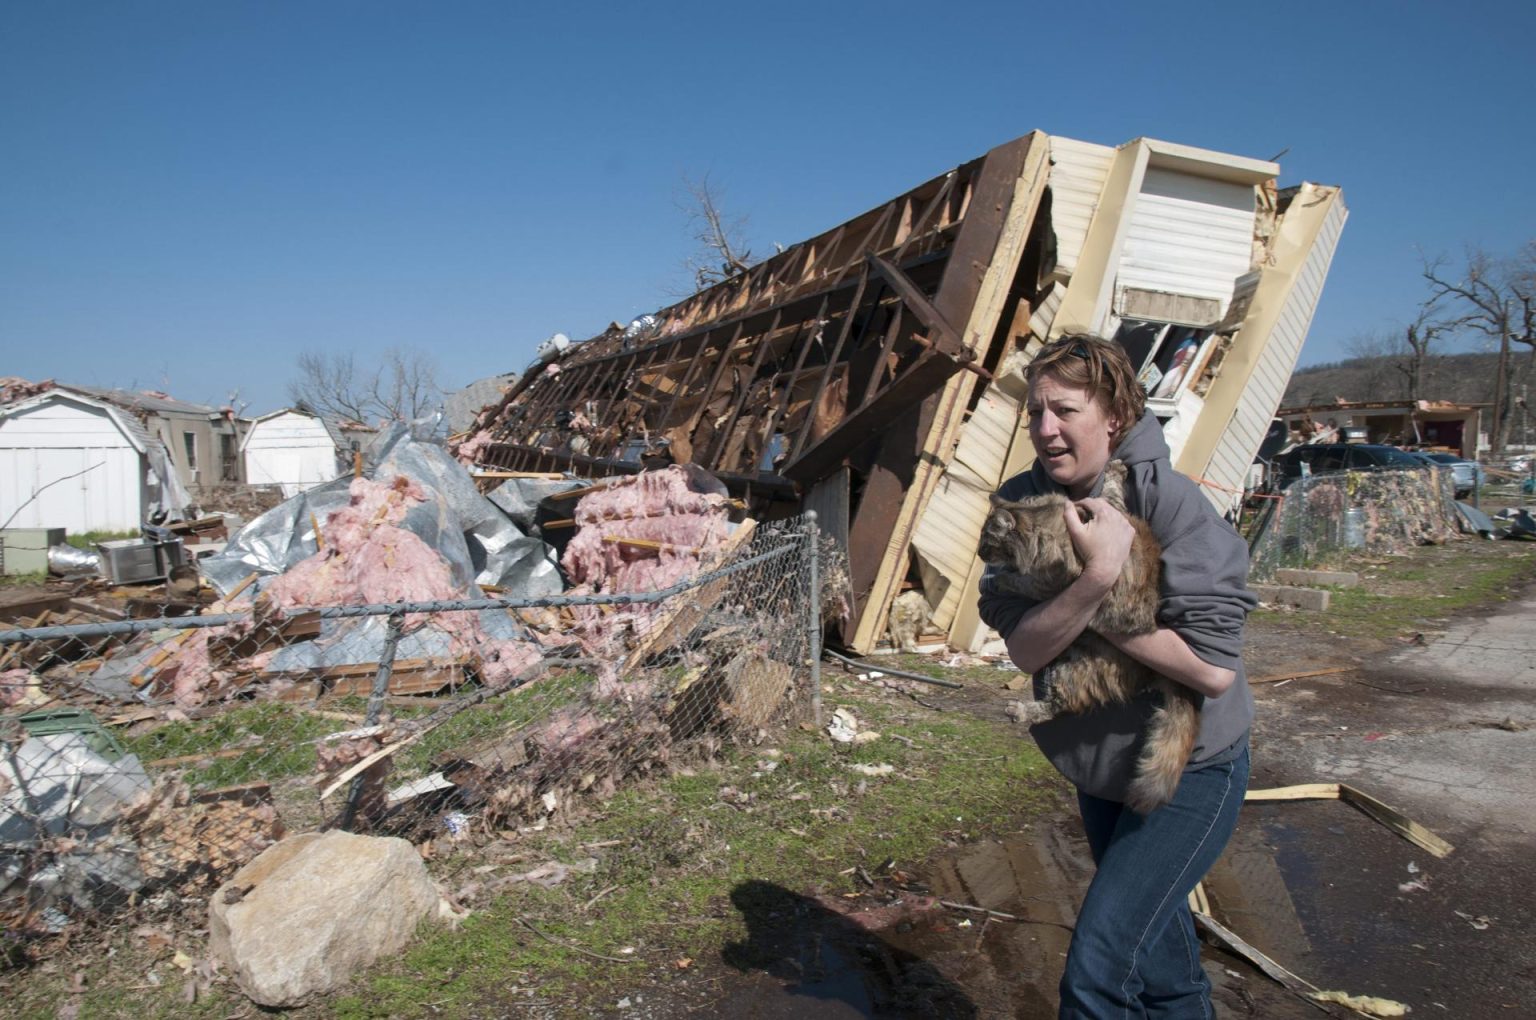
{"x":874,"y":372}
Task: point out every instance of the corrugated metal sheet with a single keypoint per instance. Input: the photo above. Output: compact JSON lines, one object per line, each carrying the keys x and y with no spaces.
{"x":1240,"y":443}
{"x":1188,"y":235}
{"x":1078,"y":171}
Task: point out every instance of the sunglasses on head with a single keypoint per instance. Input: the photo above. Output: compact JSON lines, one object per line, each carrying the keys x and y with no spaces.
{"x":1076,"y":348}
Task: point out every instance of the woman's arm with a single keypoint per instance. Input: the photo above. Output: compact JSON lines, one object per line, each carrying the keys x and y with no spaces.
{"x":1046,"y":630}
{"x":1165,"y":652}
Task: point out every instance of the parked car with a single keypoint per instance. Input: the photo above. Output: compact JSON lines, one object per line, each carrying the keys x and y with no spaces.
{"x":1319,"y":458}
{"x":1467,"y":474}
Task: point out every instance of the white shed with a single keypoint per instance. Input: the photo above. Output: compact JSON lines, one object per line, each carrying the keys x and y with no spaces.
{"x":294,"y":449}
{"x":74,"y":462}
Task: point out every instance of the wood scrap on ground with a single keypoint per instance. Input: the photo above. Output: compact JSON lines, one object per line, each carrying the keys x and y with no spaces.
{"x":1384,"y":813}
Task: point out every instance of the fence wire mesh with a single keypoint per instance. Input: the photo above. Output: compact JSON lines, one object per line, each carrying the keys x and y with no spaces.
{"x":145,"y":760}
{"x":1378,"y":512}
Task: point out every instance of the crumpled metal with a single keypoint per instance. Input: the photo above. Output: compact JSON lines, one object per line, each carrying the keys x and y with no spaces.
{"x":480,"y":543}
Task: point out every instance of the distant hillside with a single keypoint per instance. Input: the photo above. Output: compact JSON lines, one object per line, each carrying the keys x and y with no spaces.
{"x":1457,"y":378}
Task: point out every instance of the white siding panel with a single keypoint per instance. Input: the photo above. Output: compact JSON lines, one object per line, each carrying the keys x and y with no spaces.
{"x":1188,"y":235}
{"x":60,"y":424}
{"x":82,"y":489}
{"x":1240,"y":443}
{"x":1078,"y":171}
{"x":946,"y":536}
{"x":291,"y":450}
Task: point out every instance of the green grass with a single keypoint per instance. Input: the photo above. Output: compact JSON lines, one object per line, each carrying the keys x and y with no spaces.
{"x":677,"y":851}
{"x":1425,"y":586}
{"x":670,"y":851}
{"x":88,"y":539}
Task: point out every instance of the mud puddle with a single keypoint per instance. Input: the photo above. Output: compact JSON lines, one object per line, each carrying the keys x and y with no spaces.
{"x":897,"y":951}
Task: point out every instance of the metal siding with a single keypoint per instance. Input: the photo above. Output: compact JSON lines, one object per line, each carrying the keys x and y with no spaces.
{"x":1240,"y":443}
{"x":1078,"y":172}
{"x":1188,"y":235}
{"x":293,"y":450}
{"x":80,"y":489}
{"x":946,"y":537}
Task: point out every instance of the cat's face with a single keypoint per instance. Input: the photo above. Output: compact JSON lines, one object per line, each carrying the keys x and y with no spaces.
{"x":1027,"y":535}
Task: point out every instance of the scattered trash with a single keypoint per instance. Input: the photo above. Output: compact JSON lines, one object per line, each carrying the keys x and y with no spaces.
{"x":872,"y":770}
{"x":1481,"y":922}
{"x":843,"y":726}
{"x":1368,"y":1004}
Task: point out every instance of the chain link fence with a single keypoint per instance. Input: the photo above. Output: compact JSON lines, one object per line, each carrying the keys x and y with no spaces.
{"x":145,"y":760}
{"x":1320,"y":517}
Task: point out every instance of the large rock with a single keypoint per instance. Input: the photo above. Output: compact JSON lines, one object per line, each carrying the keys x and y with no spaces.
{"x":312,"y":910}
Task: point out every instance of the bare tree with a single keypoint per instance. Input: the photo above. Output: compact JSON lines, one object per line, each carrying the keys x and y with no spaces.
{"x":1379,"y":358}
{"x":1495,"y":298}
{"x":722,"y":251}
{"x":399,"y":386}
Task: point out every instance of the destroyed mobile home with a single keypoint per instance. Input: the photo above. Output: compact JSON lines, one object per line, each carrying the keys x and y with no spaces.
{"x":874,"y":373}
{"x":347,"y":635}
{"x":643,"y":577}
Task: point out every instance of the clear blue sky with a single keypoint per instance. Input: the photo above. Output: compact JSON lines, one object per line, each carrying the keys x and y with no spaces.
{"x":191,"y":193}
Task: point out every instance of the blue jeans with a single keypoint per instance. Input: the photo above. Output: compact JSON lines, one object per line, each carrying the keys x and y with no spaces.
{"x":1134,"y":951}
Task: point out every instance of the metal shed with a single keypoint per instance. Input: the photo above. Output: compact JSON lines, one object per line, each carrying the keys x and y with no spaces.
{"x":72,"y":461}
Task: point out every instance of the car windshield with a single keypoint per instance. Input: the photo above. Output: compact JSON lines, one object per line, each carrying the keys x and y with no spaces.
{"x":1445,"y":458}
{"x":1396,"y":458}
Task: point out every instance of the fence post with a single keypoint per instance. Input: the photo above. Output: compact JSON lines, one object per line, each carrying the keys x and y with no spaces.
{"x":376,"y":705}
{"x":813,"y":614}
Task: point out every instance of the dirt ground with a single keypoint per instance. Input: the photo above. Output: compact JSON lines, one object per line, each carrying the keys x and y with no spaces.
{"x":1439,"y":726}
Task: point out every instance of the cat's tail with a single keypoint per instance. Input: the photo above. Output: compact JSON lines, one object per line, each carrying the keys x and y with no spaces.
{"x":1170,"y":738}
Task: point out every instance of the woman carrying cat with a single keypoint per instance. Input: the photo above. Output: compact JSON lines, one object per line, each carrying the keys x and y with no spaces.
{"x":1134,"y":951}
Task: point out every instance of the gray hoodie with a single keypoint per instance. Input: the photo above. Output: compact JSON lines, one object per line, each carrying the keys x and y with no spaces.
{"x":1204,"y":599}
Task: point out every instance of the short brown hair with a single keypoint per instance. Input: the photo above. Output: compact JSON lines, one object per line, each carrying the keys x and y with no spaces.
{"x":1097,"y":365}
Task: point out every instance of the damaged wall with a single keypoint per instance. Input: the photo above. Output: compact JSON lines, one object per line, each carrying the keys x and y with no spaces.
{"x":865,"y":368}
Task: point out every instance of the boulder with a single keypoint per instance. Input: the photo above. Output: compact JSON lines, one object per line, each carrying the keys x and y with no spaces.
{"x":314,"y":909}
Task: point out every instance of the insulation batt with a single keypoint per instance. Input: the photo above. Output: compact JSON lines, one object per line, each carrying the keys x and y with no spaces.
{"x":366,"y":558}
{"x":667,"y":506}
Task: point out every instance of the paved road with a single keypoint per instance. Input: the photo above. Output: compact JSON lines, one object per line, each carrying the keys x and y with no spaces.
{"x":1446,"y":732}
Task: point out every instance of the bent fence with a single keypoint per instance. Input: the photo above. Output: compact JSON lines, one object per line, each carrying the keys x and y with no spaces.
{"x":1358,"y":511}
{"x":151,"y":758}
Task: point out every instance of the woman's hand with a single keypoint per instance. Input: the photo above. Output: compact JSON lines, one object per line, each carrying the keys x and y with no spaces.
{"x":1103,"y":541}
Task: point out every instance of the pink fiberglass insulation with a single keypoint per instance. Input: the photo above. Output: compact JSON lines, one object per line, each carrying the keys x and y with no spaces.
{"x":468,"y":452}
{"x":364,"y":558}
{"x":664,"y":507}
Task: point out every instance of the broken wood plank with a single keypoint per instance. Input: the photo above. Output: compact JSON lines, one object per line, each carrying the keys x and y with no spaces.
{"x":409,"y":676}
{"x":1384,"y":813}
{"x":552,"y":476}
{"x":1277,"y":677}
{"x":685,"y":614}
{"x":647,"y":543}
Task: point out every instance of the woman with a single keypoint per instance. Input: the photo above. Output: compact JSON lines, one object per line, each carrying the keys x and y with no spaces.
{"x":1134,"y":951}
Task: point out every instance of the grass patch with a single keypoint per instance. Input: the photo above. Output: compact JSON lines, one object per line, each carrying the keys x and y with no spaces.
{"x":88,"y":539}
{"x":1426,"y":586}
{"x":669,"y":852}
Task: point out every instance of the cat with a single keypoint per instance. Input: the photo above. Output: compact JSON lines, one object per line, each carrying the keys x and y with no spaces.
{"x":1027,"y":541}
{"x":910,"y":613}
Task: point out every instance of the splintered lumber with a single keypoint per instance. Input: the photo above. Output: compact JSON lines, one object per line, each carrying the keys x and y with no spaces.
{"x":684,"y":613}
{"x":409,"y":676}
{"x":1277,"y":677}
{"x":269,"y":633}
{"x":611,"y":483}
{"x":1387,"y":815}
{"x":1225,"y":938}
{"x":550,"y":476}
